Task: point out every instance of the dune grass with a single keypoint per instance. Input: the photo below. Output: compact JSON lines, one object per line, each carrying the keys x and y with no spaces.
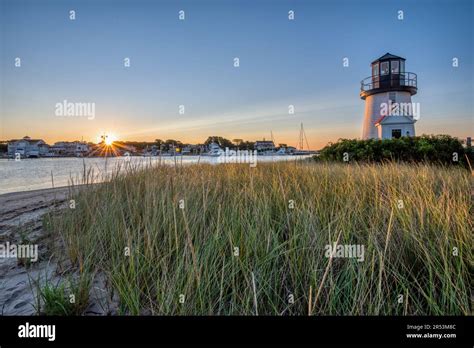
{"x":235,"y":240}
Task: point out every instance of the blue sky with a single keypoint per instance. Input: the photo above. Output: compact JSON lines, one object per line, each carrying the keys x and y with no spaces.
{"x":190,"y":63}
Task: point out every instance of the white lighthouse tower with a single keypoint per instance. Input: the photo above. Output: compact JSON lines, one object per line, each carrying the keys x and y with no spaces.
{"x":389,"y":88}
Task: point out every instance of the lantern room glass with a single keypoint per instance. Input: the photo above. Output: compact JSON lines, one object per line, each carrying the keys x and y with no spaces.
{"x":394,"y":67}
{"x":375,"y":69}
{"x":384,"y":68}
{"x":375,"y":75}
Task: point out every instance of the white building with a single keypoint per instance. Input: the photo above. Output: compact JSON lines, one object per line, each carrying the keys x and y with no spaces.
{"x":389,"y":127}
{"x":389,"y":88}
{"x":264,"y":145}
{"x":74,"y":148}
{"x":27,"y":148}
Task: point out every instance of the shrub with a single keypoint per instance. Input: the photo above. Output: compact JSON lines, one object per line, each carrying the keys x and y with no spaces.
{"x":436,"y":149}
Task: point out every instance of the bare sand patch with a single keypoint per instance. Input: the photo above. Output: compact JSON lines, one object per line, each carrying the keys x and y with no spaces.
{"x":21,"y":223}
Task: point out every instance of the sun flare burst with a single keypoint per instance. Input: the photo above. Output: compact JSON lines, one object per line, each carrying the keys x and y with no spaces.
{"x":108,"y":145}
{"x":108,"y":139}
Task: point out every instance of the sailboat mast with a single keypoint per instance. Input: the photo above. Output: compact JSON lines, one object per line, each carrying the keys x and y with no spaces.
{"x":301,"y":137}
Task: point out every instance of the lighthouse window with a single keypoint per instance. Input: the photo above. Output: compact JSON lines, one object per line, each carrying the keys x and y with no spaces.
{"x":375,"y":69}
{"x":393,"y":102}
{"x":402,"y":66}
{"x":395,"y":67}
{"x":392,"y":96}
{"x":384,"y":68}
{"x":396,"y":133}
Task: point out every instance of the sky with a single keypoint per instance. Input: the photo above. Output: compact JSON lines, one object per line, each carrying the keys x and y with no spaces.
{"x":191,"y":63}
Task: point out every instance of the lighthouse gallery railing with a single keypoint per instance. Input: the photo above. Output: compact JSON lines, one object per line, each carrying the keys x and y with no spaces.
{"x":408,"y":79}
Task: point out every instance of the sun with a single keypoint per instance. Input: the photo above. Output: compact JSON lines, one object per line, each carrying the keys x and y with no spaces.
{"x":108,"y":145}
{"x":108,"y":139}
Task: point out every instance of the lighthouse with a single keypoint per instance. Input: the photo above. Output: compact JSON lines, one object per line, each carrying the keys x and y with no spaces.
{"x":389,"y":111}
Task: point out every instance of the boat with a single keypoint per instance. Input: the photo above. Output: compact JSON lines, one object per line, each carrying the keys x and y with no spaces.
{"x":214,"y":150}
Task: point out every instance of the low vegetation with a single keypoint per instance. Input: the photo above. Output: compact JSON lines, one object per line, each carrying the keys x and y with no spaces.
{"x":436,"y":149}
{"x":235,"y":240}
{"x":65,"y":298}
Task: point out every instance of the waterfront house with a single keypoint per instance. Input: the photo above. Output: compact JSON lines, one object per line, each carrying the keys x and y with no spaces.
{"x":264,"y":145}
{"x":66,"y":148}
{"x":27,"y":148}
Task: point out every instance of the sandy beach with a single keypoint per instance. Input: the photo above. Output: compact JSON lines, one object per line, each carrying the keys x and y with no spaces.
{"x":20,"y":219}
{"x":21,"y":223}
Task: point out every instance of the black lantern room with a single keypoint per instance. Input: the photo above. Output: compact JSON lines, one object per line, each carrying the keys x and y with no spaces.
{"x":388,"y":75}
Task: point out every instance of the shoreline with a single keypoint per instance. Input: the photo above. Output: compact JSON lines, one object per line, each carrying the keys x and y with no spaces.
{"x":21,"y":222}
{"x":309,"y":153}
{"x":43,"y":173}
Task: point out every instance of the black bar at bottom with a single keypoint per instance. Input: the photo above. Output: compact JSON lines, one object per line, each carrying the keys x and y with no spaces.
{"x":416,"y":331}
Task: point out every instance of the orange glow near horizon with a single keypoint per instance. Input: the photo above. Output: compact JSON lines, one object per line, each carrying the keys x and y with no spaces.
{"x":107,"y":138}
{"x":107,"y":146}
{"x":108,"y":141}
{"x":317,"y":137}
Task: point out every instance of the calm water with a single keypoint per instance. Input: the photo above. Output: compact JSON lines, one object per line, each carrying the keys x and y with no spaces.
{"x":40,"y":173}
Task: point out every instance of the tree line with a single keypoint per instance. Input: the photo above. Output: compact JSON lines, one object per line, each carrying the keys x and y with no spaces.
{"x":169,"y":144}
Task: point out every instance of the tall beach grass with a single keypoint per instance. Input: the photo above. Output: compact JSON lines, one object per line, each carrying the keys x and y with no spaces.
{"x":235,"y":240}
